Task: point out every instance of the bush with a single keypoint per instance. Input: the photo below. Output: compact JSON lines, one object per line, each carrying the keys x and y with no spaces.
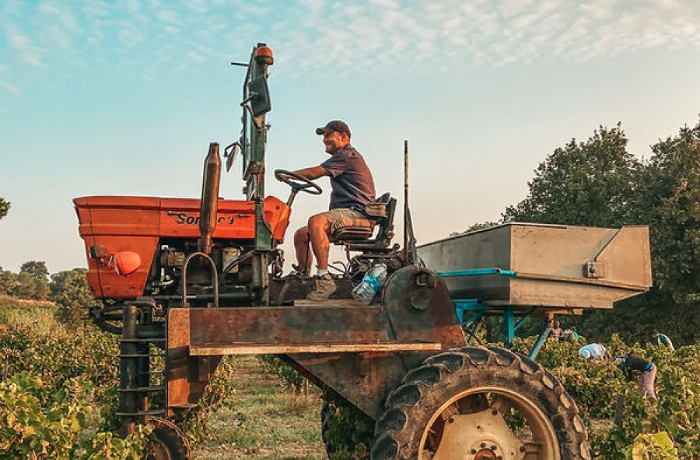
{"x":289,"y":377}
{"x":595,"y":384}
{"x":71,"y":292}
{"x":42,"y":421}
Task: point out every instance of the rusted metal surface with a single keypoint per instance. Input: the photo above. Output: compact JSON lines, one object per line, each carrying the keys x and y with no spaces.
{"x":557,"y":266}
{"x":289,"y":325}
{"x":420,"y":310}
{"x":210,"y":198}
{"x":187,"y":376}
{"x":362,"y":352}
{"x":321,"y":348}
{"x":177,"y":356}
{"x":416,"y":309}
{"x":128,"y":371}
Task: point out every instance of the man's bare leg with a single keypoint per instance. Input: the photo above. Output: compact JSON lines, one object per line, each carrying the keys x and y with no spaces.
{"x":318,"y":230}
{"x":302,"y":249}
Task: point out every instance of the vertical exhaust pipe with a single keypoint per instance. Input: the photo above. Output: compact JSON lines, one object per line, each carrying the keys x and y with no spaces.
{"x":210,"y":196}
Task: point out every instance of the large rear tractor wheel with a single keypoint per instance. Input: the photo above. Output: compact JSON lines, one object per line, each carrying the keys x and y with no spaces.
{"x":166,"y":441}
{"x":480,"y":404}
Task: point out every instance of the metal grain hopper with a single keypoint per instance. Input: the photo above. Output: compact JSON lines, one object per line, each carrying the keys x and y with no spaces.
{"x":549,"y":266}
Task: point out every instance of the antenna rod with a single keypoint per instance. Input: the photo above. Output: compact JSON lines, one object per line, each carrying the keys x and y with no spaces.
{"x":405,"y":200}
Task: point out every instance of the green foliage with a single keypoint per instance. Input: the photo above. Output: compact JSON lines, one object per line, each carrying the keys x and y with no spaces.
{"x":45,"y":421}
{"x":35,"y":344}
{"x":669,"y":199}
{"x":37,"y":269}
{"x":57,"y":355}
{"x":584,"y":183}
{"x":4,"y":207}
{"x":657,"y":446}
{"x":24,"y":285}
{"x":475,"y":227}
{"x":598,"y":183}
{"x":220,"y":393}
{"x":71,"y":292}
{"x":8,"y":282}
{"x":595,"y":384}
{"x":347,"y":430}
{"x":284,"y":371}
{"x":37,"y":281}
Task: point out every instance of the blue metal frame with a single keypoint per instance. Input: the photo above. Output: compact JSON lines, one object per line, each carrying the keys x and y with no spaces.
{"x":477,"y":272}
{"x":478,"y":310}
{"x":540,"y":341}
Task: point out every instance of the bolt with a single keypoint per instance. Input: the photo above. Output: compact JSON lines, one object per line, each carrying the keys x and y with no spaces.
{"x":483,"y":444}
{"x":451,"y":419}
{"x":493,"y":447}
{"x":494,"y":412}
{"x":473,"y":451}
{"x":522,"y":448}
{"x":478,"y":427}
{"x":500,"y":457}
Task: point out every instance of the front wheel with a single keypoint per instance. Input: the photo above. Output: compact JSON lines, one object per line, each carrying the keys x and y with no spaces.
{"x":480,"y":404}
{"x":166,"y":441}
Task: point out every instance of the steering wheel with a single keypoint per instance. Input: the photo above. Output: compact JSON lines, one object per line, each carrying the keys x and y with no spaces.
{"x":297,"y":182}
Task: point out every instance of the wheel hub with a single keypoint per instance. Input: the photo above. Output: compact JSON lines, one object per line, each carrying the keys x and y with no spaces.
{"x":485,"y":454}
{"x":479,"y":436}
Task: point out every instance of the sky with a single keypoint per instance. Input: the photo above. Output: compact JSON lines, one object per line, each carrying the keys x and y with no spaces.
{"x":123,"y":97}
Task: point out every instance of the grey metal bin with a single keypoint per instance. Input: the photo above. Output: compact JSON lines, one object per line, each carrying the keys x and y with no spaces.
{"x":556,"y":266}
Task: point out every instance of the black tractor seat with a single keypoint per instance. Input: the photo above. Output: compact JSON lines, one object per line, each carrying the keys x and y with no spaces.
{"x":356,"y":238}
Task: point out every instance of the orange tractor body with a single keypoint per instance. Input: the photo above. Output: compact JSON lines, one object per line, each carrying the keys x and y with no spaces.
{"x":118,"y":226}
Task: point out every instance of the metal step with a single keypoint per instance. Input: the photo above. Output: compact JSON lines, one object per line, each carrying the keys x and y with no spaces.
{"x":141,"y":355}
{"x":140,"y":413}
{"x":150,"y":339}
{"x":142,"y":389}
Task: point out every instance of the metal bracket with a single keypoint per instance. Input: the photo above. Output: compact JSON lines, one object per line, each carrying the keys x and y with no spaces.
{"x":594,"y":269}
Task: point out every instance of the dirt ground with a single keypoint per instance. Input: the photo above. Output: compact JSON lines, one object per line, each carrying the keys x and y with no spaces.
{"x":267,"y":422}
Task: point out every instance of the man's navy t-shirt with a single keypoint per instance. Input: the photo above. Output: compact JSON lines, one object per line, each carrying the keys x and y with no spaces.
{"x":351,"y":181}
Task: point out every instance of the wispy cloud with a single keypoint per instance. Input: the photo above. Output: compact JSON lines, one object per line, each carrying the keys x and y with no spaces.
{"x":380,"y":36}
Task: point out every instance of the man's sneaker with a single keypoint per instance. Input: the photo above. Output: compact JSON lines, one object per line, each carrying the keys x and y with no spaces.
{"x":324,"y":287}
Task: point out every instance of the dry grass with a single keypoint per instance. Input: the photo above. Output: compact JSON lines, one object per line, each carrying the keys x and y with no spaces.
{"x":267,"y":421}
{"x":34,"y":315}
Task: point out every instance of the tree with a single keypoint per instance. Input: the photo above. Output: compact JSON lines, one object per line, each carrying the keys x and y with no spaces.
{"x":4,"y":208}
{"x":71,"y":292}
{"x":40,"y":277}
{"x":669,"y":200}
{"x":36,"y":268}
{"x":475,"y":227}
{"x":25,"y":287}
{"x":8,"y":282}
{"x":584,"y":183}
{"x":598,"y":183}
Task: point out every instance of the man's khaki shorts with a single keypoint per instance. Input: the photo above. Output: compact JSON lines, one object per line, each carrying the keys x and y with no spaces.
{"x":343,"y":217}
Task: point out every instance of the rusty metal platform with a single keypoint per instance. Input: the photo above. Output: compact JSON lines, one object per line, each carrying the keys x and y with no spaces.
{"x":279,"y":349}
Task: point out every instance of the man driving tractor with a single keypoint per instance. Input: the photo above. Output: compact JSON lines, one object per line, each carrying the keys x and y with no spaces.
{"x":352,"y":187}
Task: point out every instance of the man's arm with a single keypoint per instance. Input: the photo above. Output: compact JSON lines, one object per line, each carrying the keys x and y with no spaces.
{"x":312,"y":173}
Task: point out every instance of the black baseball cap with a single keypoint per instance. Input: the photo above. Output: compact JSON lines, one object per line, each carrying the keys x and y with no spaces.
{"x":334,"y":125}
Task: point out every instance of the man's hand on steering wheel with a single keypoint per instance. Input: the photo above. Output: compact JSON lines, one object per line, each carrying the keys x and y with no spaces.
{"x":297,"y":182}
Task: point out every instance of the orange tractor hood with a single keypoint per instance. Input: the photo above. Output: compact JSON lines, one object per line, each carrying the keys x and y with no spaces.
{"x":116,"y":224}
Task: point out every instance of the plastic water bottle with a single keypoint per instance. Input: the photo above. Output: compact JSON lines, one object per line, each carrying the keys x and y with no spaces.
{"x":371,"y":284}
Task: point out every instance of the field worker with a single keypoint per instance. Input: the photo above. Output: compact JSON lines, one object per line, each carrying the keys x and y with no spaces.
{"x":662,"y":339}
{"x":352,"y":187}
{"x":556,"y":331}
{"x":570,"y":335}
{"x":594,"y":350}
{"x":646,"y":369}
